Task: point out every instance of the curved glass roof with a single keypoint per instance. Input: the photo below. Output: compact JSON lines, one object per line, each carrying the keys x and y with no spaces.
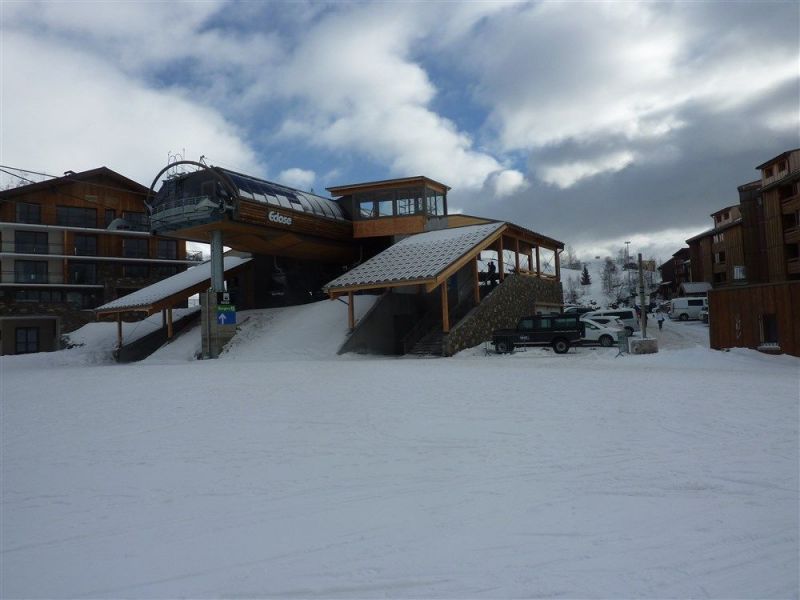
{"x":280,"y":196}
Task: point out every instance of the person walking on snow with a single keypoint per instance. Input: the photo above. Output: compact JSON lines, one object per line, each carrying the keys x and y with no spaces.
{"x":660,"y":318}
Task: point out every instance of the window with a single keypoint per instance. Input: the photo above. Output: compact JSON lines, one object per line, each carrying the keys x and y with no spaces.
{"x":167,"y":249}
{"x":138,"y":221}
{"x":739,"y":272}
{"x":85,"y":245}
{"x":29,"y":213}
{"x":163,"y":271}
{"x":76,"y":216}
{"x":135,"y":271}
{"x":385,"y":202}
{"x":768,"y":172}
{"x":30,"y":271}
{"x":27,"y":340}
{"x":134,"y":248}
{"x":526,"y":324}
{"x":83,"y":273}
{"x":719,"y":257}
{"x":30,"y":242}
{"x":409,"y":202}
{"x":367,"y":209}
{"x":698,"y":302}
{"x":434,"y":203}
{"x":40,"y":296}
{"x":719,"y":237}
{"x":111,"y":214}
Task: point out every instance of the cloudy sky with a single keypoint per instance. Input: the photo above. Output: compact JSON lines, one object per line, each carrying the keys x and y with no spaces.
{"x":592,"y":122}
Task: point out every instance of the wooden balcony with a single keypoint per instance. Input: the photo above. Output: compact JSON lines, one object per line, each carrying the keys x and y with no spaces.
{"x":793,"y":266}
{"x":790,"y":205}
{"x":791,"y":235}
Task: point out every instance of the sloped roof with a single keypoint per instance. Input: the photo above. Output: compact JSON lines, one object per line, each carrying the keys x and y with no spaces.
{"x":418,"y":257}
{"x":72,"y":177}
{"x":170,"y":286}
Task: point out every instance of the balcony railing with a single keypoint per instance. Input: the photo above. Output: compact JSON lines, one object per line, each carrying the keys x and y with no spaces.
{"x":31,"y":277}
{"x":31,"y":248}
{"x":791,"y":235}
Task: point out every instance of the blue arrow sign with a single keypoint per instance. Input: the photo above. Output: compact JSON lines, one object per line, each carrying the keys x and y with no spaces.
{"x":226,"y":314}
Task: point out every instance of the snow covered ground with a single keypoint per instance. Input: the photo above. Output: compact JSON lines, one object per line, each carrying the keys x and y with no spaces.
{"x":282,"y":470}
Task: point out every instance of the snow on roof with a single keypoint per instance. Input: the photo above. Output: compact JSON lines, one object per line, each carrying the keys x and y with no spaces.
{"x":695,"y":287}
{"x":170,"y":286}
{"x":420,"y":256}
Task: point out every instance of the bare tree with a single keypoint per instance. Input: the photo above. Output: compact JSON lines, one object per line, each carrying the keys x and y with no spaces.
{"x":571,"y":258}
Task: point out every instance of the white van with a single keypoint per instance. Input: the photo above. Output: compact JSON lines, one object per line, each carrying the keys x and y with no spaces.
{"x":684,"y":309}
{"x":626,"y":315}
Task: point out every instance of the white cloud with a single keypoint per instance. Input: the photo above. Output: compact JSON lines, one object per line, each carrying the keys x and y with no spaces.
{"x":570,"y":172}
{"x":364,"y":94}
{"x":301,"y":179}
{"x":507,"y":182}
{"x":63,"y":109}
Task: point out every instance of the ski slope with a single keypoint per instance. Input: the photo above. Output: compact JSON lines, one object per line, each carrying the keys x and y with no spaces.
{"x":283,"y":471}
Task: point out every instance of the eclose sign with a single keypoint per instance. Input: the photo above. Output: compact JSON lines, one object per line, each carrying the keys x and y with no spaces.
{"x":277,"y":217}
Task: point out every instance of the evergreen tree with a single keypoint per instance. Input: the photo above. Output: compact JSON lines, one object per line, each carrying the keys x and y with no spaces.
{"x":585,"y":278}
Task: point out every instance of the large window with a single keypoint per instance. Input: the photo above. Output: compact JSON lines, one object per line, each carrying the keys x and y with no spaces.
{"x":83,"y":273}
{"x":388,"y":203}
{"x":30,"y":271}
{"x":409,"y":202}
{"x":137,"y":220}
{"x":435,"y":203}
{"x":167,"y":249}
{"x":30,"y":242}
{"x":27,"y":340}
{"x":29,"y":213}
{"x":111,"y":214}
{"x":76,"y":216}
{"x":40,"y":296}
{"x":85,"y":245}
{"x":134,"y":248}
{"x":135,"y":271}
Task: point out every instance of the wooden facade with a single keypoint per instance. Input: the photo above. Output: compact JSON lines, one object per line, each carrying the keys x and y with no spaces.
{"x":780,"y":196}
{"x":748,"y":316}
{"x":72,"y":243}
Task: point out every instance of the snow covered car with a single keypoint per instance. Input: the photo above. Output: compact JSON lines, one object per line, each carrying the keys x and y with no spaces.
{"x":600,"y":333}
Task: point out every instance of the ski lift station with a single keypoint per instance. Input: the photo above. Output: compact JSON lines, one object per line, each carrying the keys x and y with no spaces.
{"x":395,"y":239}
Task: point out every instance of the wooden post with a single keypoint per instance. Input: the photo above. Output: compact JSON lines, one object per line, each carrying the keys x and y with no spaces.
{"x":538,"y":263}
{"x":516,"y":253}
{"x":558,"y":265}
{"x":119,"y":330}
{"x":500,"y":267}
{"x":163,"y":317}
{"x":445,"y":309}
{"x":477,"y":278}
{"x":351,"y":314}
{"x":530,"y":259}
{"x":169,"y":323}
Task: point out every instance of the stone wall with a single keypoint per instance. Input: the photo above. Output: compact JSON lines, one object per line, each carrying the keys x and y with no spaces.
{"x":516,"y":297}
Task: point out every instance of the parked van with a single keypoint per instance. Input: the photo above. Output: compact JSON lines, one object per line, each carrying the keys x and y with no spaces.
{"x":684,"y":309}
{"x":626,"y":315}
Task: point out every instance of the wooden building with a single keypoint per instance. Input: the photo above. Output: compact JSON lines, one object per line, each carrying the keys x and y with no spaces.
{"x":717,"y":256}
{"x":303,"y":243}
{"x":70,"y":244}
{"x":764,"y":249}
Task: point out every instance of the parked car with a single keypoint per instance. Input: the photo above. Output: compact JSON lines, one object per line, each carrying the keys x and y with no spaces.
{"x":626,"y":315}
{"x":684,"y":309}
{"x":577,"y":310}
{"x":601,"y":333}
{"x":609,"y":322}
{"x":557,"y":330}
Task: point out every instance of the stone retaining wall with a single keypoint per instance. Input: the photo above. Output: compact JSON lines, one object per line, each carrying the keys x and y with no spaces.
{"x":516,"y":297}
